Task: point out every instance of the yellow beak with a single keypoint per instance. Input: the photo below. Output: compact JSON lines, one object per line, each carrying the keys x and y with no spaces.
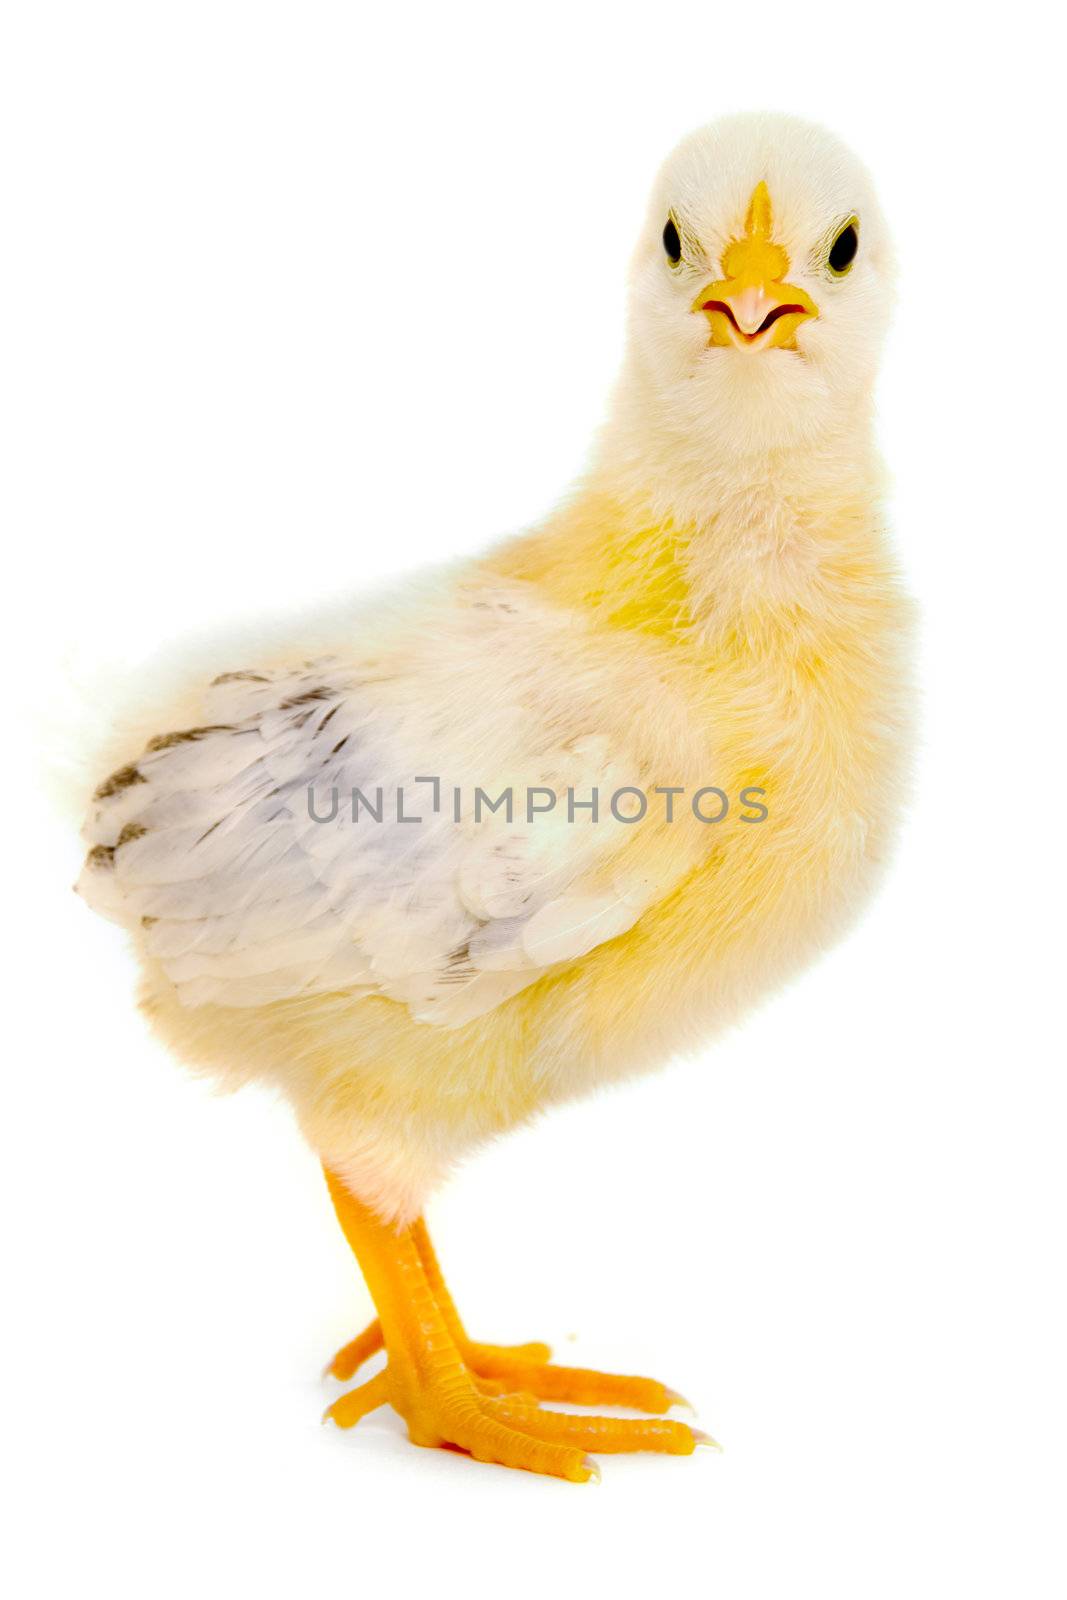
{"x":751,"y":306}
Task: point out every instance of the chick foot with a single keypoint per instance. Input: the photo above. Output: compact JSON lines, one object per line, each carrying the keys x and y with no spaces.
{"x":513,"y":1431}
{"x":479,"y":1398}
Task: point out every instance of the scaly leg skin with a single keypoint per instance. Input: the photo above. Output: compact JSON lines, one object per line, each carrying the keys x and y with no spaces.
{"x":485,"y":1360}
{"x":446,"y":1401}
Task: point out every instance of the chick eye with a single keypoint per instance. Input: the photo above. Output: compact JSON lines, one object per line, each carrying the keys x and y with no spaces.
{"x":671,"y":242}
{"x":843,"y":250}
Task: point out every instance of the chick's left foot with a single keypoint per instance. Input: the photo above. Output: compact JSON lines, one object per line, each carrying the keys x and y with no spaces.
{"x":513,"y":1430}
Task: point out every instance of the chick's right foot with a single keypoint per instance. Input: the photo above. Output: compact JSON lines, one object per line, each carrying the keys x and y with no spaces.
{"x":513,"y":1430}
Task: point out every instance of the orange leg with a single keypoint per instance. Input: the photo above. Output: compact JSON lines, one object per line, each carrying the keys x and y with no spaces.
{"x":451,"y":1391}
{"x":479,"y":1357}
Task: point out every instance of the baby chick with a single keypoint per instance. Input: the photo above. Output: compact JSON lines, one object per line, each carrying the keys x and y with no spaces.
{"x":566,"y":809}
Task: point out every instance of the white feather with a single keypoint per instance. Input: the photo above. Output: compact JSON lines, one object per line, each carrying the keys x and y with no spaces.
{"x":214,"y":844}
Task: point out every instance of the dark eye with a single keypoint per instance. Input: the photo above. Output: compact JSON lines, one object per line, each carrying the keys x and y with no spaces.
{"x":843,"y":250}
{"x":671,"y":242}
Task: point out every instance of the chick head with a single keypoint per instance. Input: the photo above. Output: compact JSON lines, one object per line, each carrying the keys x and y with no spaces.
{"x":761,"y":287}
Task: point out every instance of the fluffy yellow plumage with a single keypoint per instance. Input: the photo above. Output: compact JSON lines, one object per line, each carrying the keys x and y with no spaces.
{"x":716,"y":606}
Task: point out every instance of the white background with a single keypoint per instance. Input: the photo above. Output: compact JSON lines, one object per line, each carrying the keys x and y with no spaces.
{"x":295,"y":297}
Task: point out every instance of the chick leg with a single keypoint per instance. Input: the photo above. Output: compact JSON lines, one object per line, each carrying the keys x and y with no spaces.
{"x":428,"y":1382}
{"x":475,"y":1354}
{"x":350,"y":1358}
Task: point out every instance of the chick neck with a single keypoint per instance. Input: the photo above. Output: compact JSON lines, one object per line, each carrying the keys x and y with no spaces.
{"x":670,"y":537}
{"x":719,"y":543}
{"x":693,"y":476}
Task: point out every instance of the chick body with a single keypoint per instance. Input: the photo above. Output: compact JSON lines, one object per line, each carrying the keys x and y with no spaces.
{"x":697,"y":615}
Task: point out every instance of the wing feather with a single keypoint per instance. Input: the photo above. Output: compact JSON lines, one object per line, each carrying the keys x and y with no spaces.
{"x":236,"y":850}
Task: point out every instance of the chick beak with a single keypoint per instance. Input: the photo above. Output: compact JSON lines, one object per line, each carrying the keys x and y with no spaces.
{"x":751,"y":307}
